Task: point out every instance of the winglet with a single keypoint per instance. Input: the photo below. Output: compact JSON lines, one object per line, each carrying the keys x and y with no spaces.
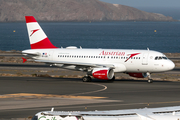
{"x":24,"y":60}
{"x":37,"y":37}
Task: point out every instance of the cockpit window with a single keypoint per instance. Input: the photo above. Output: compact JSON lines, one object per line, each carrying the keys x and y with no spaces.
{"x":160,"y":58}
{"x":164,"y":58}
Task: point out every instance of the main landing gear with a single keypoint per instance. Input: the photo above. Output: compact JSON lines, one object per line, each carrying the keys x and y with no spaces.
{"x":149,"y":78}
{"x":86,"y":79}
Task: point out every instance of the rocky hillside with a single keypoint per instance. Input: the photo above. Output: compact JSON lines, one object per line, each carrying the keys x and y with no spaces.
{"x":73,"y":10}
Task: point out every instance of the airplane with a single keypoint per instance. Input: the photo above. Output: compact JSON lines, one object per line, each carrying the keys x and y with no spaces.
{"x":161,"y":113}
{"x":99,"y":63}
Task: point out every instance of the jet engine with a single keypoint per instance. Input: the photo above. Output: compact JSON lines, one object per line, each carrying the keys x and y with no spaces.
{"x":103,"y":73}
{"x":138,"y":75}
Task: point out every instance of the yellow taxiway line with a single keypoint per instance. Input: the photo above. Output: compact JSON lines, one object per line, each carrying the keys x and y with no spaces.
{"x":40,"y":96}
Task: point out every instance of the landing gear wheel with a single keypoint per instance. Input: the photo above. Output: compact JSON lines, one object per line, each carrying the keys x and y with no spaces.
{"x":86,"y":79}
{"x":150,"y":80}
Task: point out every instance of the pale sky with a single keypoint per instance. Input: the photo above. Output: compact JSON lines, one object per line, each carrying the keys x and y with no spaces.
{"x":146,"y":3}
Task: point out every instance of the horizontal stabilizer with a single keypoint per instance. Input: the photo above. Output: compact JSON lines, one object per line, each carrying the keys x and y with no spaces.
{"x":24,"y":60}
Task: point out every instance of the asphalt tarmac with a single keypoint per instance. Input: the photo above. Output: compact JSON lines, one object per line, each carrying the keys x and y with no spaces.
{"x":22,"y":97}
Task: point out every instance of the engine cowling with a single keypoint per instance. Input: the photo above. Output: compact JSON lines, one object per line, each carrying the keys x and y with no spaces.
{"x":103,"y":73}
{"x":138,"y":75}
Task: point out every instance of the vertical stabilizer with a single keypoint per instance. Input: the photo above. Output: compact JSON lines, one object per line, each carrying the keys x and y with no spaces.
{"x":37,"y":37}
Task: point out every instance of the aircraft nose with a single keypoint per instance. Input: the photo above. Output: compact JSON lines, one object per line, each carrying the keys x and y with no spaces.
{"x":171,"y":65}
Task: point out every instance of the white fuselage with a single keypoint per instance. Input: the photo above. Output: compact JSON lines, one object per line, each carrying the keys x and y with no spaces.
{"x":123,"y":60}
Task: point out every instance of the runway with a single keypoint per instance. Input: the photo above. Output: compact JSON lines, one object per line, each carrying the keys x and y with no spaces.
{"x":21,"y":97}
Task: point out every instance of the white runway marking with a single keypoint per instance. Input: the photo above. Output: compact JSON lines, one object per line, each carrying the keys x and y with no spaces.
{"x":104,"y":88}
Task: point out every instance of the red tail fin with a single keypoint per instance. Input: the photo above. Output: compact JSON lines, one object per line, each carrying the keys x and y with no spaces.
{"x":37,"y":37}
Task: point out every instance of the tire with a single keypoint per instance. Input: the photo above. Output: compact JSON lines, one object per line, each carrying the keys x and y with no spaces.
{"x":150,"y":81}
{"x":86,"y":79}
{"x":89,"y":79}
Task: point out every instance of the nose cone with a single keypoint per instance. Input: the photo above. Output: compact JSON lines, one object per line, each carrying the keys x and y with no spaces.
{"x":170,"y":65}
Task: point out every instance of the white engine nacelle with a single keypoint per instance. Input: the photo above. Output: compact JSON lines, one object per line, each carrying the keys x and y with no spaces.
{"x":103,"y":73}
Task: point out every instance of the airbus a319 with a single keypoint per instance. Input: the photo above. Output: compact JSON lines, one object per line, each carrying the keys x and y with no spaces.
{"x":99,"y":63}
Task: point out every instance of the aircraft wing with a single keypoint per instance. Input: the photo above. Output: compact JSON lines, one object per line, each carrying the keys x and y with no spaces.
{"x":164,"y":113}
{"x":76,"y":63}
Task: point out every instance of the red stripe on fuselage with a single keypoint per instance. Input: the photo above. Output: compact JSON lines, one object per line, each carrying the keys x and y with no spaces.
{"x":132,"y":55}
{"x":43,"y":44}
{"x":30,"y":19}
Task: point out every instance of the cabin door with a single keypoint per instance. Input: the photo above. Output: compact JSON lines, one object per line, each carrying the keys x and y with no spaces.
{"x":145,"y":59}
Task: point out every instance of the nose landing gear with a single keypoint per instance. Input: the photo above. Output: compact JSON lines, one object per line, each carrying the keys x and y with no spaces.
{"x":149,"y":78}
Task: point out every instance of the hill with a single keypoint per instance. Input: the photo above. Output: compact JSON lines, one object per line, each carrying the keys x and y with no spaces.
{"x":73,"y":10}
